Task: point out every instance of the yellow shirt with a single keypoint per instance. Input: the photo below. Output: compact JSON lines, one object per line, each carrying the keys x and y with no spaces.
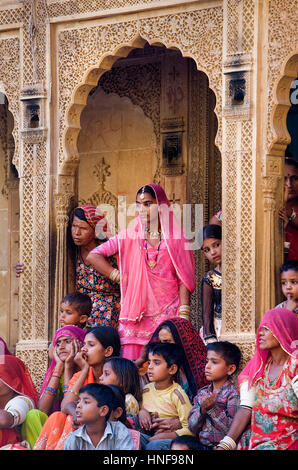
{"x":169,"y":403}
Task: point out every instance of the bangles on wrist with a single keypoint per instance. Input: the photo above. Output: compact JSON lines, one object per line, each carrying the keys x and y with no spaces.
{"x":184,"y":311}
{"x":115,"y":275}
{"x":50,"y":390}
{"x":227,"y":443}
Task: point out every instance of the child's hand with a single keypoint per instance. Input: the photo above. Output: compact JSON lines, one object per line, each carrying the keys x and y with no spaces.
{"x":161,"y":424}
{"x":145,"y":419}
{"x":208,"y":402}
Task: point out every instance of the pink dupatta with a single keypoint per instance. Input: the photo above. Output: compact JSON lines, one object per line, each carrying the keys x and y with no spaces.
{"x":283,"y":324}
{"x":138,"y":282}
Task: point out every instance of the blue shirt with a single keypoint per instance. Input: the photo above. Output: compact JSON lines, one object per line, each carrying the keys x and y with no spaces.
{"x":116,"y":437}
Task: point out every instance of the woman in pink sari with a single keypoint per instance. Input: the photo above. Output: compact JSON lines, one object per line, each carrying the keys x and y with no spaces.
{"x":157,"y":274}
{"x":269,"y":389}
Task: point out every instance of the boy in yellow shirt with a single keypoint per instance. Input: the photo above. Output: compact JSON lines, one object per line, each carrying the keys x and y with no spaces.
{"x":163,"y":397}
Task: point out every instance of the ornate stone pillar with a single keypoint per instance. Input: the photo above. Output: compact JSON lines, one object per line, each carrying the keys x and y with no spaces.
{"x":35,"y":188}
{"x":239,"y":177}
{"x":63,"y":275}
{"x":272,"y":254}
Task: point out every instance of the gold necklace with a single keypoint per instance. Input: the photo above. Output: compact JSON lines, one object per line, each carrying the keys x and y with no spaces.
{"x":151,"y":263}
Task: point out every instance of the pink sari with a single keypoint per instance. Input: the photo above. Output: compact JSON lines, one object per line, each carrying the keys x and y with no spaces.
{"x":150,"y":296}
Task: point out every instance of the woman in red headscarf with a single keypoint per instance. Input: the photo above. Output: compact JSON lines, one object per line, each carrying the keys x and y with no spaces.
{"x":269,"y":389}
{"x":88,"y":230}
{"x":17,"y":397}
{"x":157,"y":273}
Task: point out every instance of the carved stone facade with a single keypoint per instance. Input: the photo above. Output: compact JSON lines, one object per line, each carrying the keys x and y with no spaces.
{"x":239,"y":65}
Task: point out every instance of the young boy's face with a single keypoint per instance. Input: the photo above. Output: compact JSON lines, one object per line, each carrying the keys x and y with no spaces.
{"x":69,"y":315}
{"x":216,"y":368}
{"x":87,"y":410}
{"x":289,"y":284}
{"x":158,"y":369}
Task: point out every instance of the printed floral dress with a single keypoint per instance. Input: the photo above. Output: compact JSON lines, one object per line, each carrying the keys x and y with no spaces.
{"x":104,"y":294}
{"x":274,"y":421}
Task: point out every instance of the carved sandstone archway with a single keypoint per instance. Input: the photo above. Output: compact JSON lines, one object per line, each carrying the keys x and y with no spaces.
{"x":68,"y":165}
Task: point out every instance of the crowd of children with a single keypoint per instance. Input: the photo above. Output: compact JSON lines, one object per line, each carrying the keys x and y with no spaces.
{"x":181,"y":393}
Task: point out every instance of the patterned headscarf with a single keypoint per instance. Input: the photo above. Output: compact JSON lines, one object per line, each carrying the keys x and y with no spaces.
{"x":95,"y":218}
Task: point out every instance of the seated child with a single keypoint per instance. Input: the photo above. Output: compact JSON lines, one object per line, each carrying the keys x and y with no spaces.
{"x":93,"y":410}
{"x":185,"y":443}
{"x":163,"y":397}
{"x":289,"y":285}
{"x":216,"y":404}
{"x":119,"y":414}
{"x":124,"y":373}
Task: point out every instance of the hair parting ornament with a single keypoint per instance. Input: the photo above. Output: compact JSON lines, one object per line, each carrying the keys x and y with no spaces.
{"x":142,"y":195}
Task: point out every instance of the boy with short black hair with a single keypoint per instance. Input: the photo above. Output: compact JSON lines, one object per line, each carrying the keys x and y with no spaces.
{"x":185,"y":443}
{"x":97,"y":433}
{"x":75,"y":308}
{"x":163,"y":396}
{"x":289,"y":285}
{"x":215,"y":405}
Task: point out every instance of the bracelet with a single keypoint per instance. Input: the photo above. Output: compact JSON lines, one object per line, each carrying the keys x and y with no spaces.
{"x":115,"y":276}
{"x":51,"y":391}
{"x":65,"y":388}
{"x":227,"y":443}
{"x":75,"y":393}
{"x":184,"y":316}
{"x":184,"y":311}
{"x":185,"y":308}
{"x":55,"y":375}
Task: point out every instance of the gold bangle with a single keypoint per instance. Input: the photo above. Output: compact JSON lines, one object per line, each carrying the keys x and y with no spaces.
{"x":115,"y":276}
{"x":75,"y":393}
{"x":185,"y":307}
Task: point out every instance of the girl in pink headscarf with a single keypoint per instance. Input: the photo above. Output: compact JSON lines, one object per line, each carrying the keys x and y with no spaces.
{"x":66,"y":343}
{"x":156,"y":274}
{"x":269,"y":388}
{"x":88,"y":229}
